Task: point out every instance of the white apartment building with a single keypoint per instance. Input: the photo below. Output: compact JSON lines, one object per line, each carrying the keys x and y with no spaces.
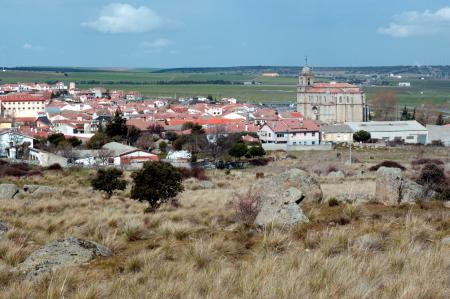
{"x":22,"y":106}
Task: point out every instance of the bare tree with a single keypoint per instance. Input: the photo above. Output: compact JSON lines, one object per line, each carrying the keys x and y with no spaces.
{"x":384,"y":104}
{"x":104,"y":156}
{"x":145,"y":141}
{"x":67,"y":151}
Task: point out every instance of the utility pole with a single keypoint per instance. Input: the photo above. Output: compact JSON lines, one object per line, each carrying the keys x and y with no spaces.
{"x":350,"y":154}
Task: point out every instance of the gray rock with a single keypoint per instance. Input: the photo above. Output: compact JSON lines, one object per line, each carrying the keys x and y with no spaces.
{"x":354,"y":197}
{"x":446,"y":241}
{"x":336,"y":174}
{"x":60,"y":253}
{"x":280,"y":197}
{"x":207,"y":185}
{"x":303,"y":181}
{"x":40,"y":190}
{"x":447,"y":204}
{"x":8,"y":191}
{"x":393,"y":188}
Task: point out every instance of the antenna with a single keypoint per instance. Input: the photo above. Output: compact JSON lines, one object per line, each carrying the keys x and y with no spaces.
{"x":306,"y":60}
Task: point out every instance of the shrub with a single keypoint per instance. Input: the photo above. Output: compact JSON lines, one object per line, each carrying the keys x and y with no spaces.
{"x":260,"y":161}
{"x":109,"y":180}
{"x":156,"y":183}
{"x":391,"y":164}
{"x":238,"y":150}
{"x":259,"y":175}
{"x":247,"y":206}
{"x":433,"y":178}
{"x":361,"y":136}
{"x":333,"y":202}
{"x":54,"y":166}
{"x":256,"y":151}
{"x":198,"y":173}
{"x":425,"y":161}
{"x":18,"y":170}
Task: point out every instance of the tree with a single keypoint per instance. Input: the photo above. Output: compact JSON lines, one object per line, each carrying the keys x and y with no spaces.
{"x":384,"y":104}
{"x":98,"y":140}
{"x":171,"y":136}
{"x":109,"y":180}
{"x":133,"y":134}
{"x":361,"y":136}
{"x":117,"y":126}
{"x":238,"y":150}
{"x":256,"y":151}
{"x":155,"y":129}
{"x":145,"y":141}
{"x":405,"y":114}
{"x":103,"y":156}
{"x":163,"y":146}
{"x":440,"y":120}
{"x":56,"y":138}
{"x":156,"y":183}
{"x":74,"y":141}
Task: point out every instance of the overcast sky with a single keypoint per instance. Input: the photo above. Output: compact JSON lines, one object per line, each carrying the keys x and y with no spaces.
{"x":199,"y":33}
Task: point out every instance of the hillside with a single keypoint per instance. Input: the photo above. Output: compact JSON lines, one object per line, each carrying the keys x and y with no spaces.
{"x":200,"y":249}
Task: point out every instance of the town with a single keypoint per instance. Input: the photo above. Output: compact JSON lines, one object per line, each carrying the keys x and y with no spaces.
{"x":224,"y":149}
{"x":47,"y":124}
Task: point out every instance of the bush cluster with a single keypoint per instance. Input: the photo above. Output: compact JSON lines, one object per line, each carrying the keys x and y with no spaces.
{"x":198,"y":173}
{"x":391,"y":164}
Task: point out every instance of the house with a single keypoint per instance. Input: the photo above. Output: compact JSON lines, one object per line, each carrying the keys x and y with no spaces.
{"x":339,"y":133}
{"x":404,"y":84}
{"x":125,"y":155}
{"x":439,"y":134}
{"x":290,"y":132}
{"x":46,"y":159}
{"x":22,"y":105}
{"x":10,"y":139}
{"x":409,"y":131}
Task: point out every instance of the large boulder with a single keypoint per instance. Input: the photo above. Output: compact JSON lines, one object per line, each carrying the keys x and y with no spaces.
{"x":301,"y":180}
{"x":40,"y":190}
{"x":393,"y":188}
{"x":336,"y":174}
{"x":280,"y":197}
{"x":60,"y":253}
{"x":8,"y":191}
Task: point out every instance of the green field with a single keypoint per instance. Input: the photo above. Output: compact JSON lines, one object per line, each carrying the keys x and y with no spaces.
{"x":273,"y":89}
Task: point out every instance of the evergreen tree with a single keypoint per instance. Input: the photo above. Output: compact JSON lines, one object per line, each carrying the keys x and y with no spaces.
{"x":405,"y":114}
{"x":117,"y":127}
{"x":440,"y":120}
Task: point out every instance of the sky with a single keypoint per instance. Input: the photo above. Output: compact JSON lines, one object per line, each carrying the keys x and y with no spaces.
{"x":212,"y":33}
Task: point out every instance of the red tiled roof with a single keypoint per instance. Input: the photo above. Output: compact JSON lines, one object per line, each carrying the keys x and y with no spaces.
{"x":22,"y":98}
{"x":293,"y":125}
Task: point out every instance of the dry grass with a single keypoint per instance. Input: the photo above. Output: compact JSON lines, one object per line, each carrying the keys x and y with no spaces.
{"x":198,"y":251}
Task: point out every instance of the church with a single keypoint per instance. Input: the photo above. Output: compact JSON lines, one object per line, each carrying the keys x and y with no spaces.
{"x":331,"y":102}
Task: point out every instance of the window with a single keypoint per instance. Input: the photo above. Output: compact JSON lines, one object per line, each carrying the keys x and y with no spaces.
{"x":313,"y":143}
{"x":280,"y":135}
{"x":313,"y":134}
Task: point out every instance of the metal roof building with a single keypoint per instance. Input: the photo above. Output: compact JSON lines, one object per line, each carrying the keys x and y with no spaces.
{"x":409,"y":131}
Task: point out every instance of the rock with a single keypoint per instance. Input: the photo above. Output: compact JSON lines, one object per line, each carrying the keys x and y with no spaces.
{"x":280,"y":197}
{"x":393,"y":188}
{"x":206,"y":185}
{"x":8,"y":191}
{"x":41,"y":190}
{"x":60,"y":253}
{"x":308,"y":184}
{"x":446,"y":241}
{"x":447,"y":204}
{"x":336,"y":174}
{"x":3,"y":229}
{"x":354,"y":197}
